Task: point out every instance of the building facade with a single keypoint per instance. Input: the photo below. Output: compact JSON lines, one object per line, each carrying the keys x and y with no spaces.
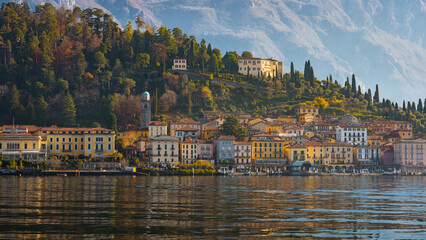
{"x":163,"y":150}
{"x":409,"y":155}
{"x":224,"y":146}
{"x":185,"y":123}
{"x":205,"y":151}
{"x":242,"y":154}
{"x":16,"y":143}
{"x":353,"y":133}
{"x":157,"y":128}
{"x":188,"y":152}
{"x":179,"y":64}
{"x":260,"y":67}
{"x":95,"y":142}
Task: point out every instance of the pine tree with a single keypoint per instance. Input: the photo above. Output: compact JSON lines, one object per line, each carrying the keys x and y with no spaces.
{"x":41,"y":111}
{"x":68,"y":112}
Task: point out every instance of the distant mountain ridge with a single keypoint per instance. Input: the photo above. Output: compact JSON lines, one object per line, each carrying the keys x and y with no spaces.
{"x":380,"y":41}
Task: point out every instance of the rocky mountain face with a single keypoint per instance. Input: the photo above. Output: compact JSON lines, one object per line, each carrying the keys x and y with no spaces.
{"x":381,"y":41}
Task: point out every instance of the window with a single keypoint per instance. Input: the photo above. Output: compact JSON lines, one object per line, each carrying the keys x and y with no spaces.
{"x":25,"y":146}
{"x":51,"y":139}
{"x":88,"y":146}
{"x":75,"y":147}
{"x":57,"y":146}
{"x":109,"y":146}
{"x":57,"y":139}
{"x":34,"y":146}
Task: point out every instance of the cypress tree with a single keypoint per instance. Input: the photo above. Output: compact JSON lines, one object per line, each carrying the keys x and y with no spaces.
{"x":408,"y":106}
{"x":369,"y":97}
{"x":403,"y":106}
{"x":292,"y":77}
{"x":420,"y":106}
{"x":353,"y":84}
{"x":376,"y":94}
{"x":396,"y":106}
{"x":413,"y":107}
{"x":359,"y":91}
{"x":424,"y":107}
{"x":311,"y":76}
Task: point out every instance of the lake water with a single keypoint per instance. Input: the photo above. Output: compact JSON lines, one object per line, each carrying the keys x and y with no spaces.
{"x":212,"y":207}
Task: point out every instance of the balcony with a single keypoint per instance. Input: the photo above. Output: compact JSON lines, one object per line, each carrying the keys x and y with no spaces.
{"x":99,"y":150}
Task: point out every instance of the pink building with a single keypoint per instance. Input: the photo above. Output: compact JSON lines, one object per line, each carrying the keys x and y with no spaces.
{"x":205,"y":151}
{"x":409,"y":155}
{"x":189,"y":123}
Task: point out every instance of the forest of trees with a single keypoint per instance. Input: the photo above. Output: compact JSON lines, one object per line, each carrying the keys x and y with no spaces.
{"x":78,"y":68}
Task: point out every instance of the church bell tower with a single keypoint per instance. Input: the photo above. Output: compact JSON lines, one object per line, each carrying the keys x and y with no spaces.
{"x":145,"y":110}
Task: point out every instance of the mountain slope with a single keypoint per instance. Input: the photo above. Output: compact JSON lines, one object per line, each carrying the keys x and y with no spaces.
{"x":380,"y":41}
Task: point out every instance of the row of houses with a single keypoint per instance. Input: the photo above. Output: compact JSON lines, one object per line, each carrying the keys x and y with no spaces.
{"x":35,"y":143}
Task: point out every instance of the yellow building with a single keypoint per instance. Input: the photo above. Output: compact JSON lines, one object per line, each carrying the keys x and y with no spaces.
{"x":210,"y":133}
{"x":340,"y":156}
{"x":188,"y":151}
{"x":296,"y":152}
{"x":260,"y":67}
{"x":316,"y":153}
{"x":95,"y":142}
{"x":18,"y":142}
{"x":267,"y":149}
{"x":274,"y":128}
{"x":287,"y":119}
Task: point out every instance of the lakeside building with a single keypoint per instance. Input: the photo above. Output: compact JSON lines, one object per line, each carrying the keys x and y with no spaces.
{"x":157,"y":128}
{"x":18,"y":142}
{"x":340,"y":156}
{"x":210,"y":133}
{"x":96,"y":142}
{"x":260,"y":67}
{"x":163,"y":150}
{"x":267,"y":150}
{"x":224,"y":146}
{"x":188,"y":152}
{"x":179,"y":64}
{"x":409,"y":155}
{"x":242,"y":154}
{"x":205,"y":151}
{"x":352,"y":133}
{"x":367,"y":157}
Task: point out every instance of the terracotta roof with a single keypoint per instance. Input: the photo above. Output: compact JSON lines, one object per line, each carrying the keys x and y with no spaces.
{"x":242,"y":143}
{"x":297,"y":145}
{"x":185,"y":129}
{"x":352,"y":125}
{"x":31,"y":128}
{"x":226,"y":138}
{"x":185,"y":121}
{"x":55,"y":128}
{"x":157,"y":123}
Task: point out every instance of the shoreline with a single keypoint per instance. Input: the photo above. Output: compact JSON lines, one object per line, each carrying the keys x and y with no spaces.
{"x":37,"y":172}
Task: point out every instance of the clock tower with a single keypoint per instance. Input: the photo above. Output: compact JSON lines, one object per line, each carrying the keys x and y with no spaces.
{"x":145,"y":110}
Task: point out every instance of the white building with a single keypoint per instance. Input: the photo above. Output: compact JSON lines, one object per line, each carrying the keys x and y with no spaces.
{"x":179,"y":64}
{"x":352,"y":133}
{"x":157,"y":128}
{"x":367,"y":157}
{"x":260,"y":66}
{"x":242,"y":153}
{"x":164,"y":150}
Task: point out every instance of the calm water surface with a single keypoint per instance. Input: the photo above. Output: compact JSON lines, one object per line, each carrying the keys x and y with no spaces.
{"x":212,"y":207}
